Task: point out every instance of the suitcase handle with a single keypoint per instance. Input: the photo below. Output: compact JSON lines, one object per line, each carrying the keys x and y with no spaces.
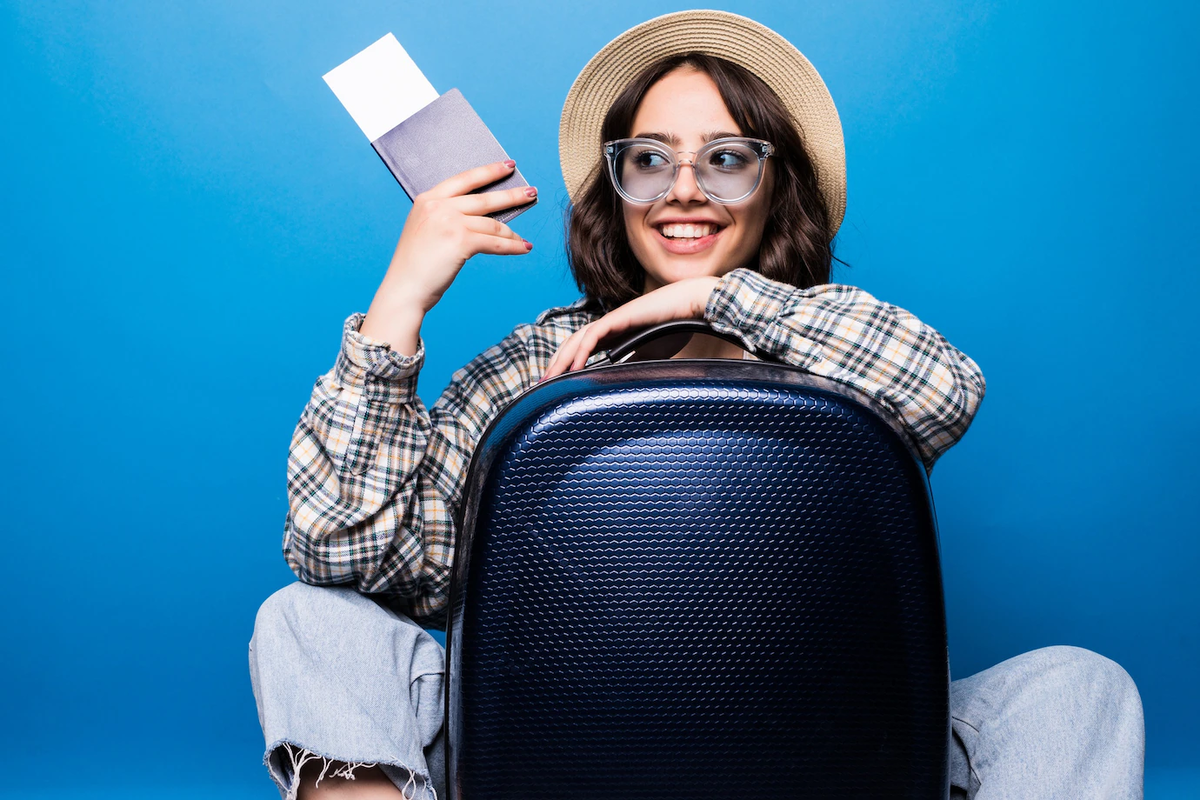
{"x":665,"y":340}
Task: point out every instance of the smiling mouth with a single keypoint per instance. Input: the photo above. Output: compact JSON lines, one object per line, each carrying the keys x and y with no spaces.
{"x":688,"y":238}
{"x":687,"y":231}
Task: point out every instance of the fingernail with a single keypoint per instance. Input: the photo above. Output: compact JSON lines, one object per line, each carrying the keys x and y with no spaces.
{"x":528,"y":244}
{"x":510,"y":163}
{"x":531,"y":191}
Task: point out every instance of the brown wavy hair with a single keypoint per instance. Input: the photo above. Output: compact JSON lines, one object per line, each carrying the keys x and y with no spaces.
{"x":797,"y":246}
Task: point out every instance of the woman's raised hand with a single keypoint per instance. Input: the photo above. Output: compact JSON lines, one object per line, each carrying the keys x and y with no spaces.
{"x":446,"y":226}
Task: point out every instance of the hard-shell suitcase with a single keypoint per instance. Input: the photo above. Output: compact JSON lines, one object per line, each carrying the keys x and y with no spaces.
{"x":690,"y":578}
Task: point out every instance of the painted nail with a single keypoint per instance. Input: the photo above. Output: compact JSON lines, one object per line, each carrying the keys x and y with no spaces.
{"x":528,"y":244}
{"x":510,"y":163}
{"x":531,"y":191}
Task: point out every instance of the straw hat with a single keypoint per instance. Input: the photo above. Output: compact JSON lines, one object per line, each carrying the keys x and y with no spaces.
{"x":735,"y":38}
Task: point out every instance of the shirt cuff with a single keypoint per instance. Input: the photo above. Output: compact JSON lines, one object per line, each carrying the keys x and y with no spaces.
{"x":372,"y":364}
{"x":745,"y":303}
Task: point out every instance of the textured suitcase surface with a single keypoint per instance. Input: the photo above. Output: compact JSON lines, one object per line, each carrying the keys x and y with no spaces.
{"x":696,"y":578}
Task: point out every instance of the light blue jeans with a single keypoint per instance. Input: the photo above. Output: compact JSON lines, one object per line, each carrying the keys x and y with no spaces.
{"x":339,"y":678}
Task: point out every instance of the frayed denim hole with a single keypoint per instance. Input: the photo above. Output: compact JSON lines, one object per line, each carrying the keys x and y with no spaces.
{"x":287,"y":774}
{"x":411,"y":787}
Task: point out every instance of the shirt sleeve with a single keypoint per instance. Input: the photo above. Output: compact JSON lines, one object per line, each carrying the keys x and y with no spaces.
{"x":844,"y":334}
{"x":374,"y":478}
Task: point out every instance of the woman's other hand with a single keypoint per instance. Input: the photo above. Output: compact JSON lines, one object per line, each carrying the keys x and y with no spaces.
{"x":683,"y":299}
{"x":446,"y":226}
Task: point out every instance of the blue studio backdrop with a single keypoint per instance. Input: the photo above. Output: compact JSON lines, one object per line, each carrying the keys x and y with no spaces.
{"x":189,"y":214}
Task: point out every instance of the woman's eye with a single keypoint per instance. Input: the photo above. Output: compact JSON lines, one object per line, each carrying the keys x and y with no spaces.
{"x":648,"y":159}
{"x":728,"y":160}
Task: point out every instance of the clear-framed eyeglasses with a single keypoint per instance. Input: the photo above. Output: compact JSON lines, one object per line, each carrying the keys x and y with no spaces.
{"x":727,"y":170}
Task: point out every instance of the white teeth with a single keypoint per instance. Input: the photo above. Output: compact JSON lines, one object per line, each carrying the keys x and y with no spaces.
{"x":687,"y":230}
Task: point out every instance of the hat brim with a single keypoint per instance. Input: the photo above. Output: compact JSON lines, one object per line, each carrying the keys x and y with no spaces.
{"x":735,"y":38}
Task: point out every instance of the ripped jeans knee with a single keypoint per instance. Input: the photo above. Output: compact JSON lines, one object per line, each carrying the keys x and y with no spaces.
{"x":342,"y":681}
{"x":288,"y":775}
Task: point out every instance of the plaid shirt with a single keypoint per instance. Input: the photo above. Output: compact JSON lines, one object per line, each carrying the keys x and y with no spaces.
{"x":375,"y":479}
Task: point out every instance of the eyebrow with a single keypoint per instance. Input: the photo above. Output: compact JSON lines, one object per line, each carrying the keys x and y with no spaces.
{"x":673,"y":140}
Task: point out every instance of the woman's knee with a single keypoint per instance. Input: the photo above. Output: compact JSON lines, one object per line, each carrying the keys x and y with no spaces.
{"x":1098,"y":691}
{"x":289,"y":607}
{"x":337,"y":623}
{"x":1082,"y":668}
{"x":1063,"y":682}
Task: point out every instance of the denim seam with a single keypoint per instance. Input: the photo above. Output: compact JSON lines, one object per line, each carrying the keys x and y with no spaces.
{"x":970,"y":760}
{"x":964,"y":722}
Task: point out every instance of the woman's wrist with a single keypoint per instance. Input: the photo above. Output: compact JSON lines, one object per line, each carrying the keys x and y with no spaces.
{"x":398,"y":326}
{"x":704,"y":288}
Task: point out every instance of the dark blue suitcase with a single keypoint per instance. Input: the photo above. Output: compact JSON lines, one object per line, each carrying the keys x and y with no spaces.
{"x":690,"y":578}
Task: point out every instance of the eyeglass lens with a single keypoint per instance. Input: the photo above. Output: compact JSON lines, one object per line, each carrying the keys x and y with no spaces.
{"x":727,"y":172}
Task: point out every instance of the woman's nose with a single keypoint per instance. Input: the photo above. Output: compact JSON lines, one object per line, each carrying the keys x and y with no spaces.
{"x":685,"y":189}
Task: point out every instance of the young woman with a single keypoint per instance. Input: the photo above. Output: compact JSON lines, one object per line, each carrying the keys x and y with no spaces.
{"x":712,"y":189}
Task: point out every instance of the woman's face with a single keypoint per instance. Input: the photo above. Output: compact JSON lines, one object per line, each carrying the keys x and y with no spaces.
{"x":686,"y":109}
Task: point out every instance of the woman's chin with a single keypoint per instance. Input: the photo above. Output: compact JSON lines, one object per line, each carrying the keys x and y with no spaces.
{"x":671,"y":269}
{"x":694,"y":270}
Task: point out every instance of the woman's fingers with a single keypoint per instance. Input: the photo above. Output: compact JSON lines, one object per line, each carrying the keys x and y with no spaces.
{"x":461,"y":188}
{"x":470,"y":179}
{"x":596,"y":334}
{"x":491,"y":227}
{"x":565,"y":354}
{"x":490,"y":202}
{"x":550,"y":373}
{"x":578,"y":348}
{"x":494,"y":237}
{"x":592,"y":337}
{"x":499,"y":245}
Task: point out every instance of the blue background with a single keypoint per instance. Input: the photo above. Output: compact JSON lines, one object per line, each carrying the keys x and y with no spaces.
{"x":189,"y":215}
